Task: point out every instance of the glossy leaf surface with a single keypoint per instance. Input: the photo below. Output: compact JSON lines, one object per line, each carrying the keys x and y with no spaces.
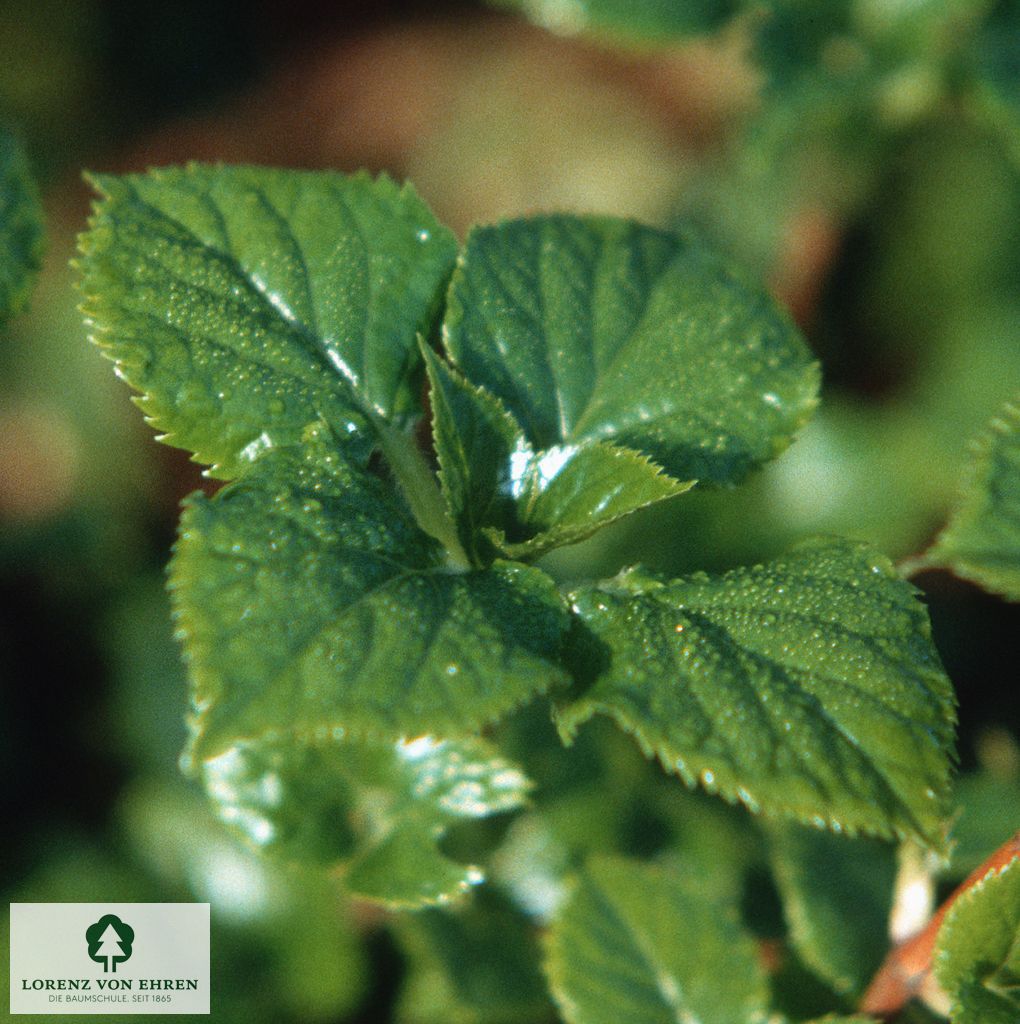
{"x":379,"y":809}
{"x":977,"y":955}
{"x":982,"y":540}
{"x":596,"y":329}
{"x":20,"y":227}
{"x":820,"y":877}
{"x":507,"y":497}
{"x":808,"y":686}
{"x":310,"y":603}
{"x":634,"y":943}
{"x":245,"y":303}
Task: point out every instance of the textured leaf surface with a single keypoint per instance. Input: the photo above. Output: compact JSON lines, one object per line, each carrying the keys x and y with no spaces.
{"x":982,"y":540}
{"x":977,"y":955}
{"x":661,"y":21}
{"x":837,"y":894}
{"x":310,"y":602}
{"x":808,"y":686}
{"x":477,"y":964}
{"x":507,"y":497}
{"x":635,"y":944}
{"x":380,"y":809}
{"x":245,"y":303}
{"x":597,"y":329}
{"x":20,"y":227}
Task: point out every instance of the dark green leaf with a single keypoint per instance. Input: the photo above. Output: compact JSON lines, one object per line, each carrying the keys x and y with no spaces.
{"x":596,"y":329}
{"x":506,"y":496}
{"x":474,"y":965}
{"x":245,"y":303}
{"x":821,"y":877}
{"x":996,"y":66}
{"x":635,"y":944}
{"x":379,"y":809}
{"x":310,"y":603}
{"x":982,"y":540}
{"x":808,"y":686}
{"x":977,"y":954}
{"x":20,"y":227}
{"x":661,"y":21}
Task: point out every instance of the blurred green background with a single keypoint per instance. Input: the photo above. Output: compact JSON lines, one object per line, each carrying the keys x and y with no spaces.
{"x":875,"y":195}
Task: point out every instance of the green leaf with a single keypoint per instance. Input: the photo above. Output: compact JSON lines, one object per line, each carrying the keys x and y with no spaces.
{"x":982,"y":540}
{"x":20,"y":227}
{"x":476,"y":964}
{"x":245,"y":302}
{"x":658,"y":21}
{"x":593,"y":329}
{"x":379,"y":809}
{"x":988,"y":810}
{"x":819,"y":877}
{"x":977,"y":953}
{"x":507,"y":497}
{"x":833,"y":1018}
{"x":635,"y":943}
{"x":310,"y":603}
{"x":995,"y":58}
{"x":808,"y":686}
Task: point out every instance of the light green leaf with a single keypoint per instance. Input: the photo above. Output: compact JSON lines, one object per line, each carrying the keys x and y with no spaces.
{"x":820,"y":876}
{"x":310,"y":603}
{"x":634,"y":943}
{"x":808,"y":686}
{"x":595,"y":329}
{"x":507,"y":497}
{"x":379,"y":809}
{"x":977,"y":953}
{"x":982,"y":540}
{"x":658,"y":21}
{"x":475,"y":964}
{"x":246,"y":302}
{"x":20,"y":227}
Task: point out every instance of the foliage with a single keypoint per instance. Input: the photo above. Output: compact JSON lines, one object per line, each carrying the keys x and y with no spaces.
{"x":20,"y":226}
{"x":333,"y":606}
{"x":429,"y":668}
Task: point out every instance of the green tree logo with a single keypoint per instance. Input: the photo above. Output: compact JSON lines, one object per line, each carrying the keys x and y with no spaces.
{"x":109,"y":941}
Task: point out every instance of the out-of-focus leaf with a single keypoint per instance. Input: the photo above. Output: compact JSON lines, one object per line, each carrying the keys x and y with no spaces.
{"x":977,"y":954}
{"x":837,"y":894}
{"x":244,"y":303}
{"x":380,"y":809}
{"x":635,"y":943}
{"x":996,"y":60}
{"x":478,"y":964}
{"x":982,"y":540}
{"x":657,"y":21}
{"x":808,"y":686}
{"x":989,"y":812}
{"x":310,"y":603}
{"x":20,"y":227}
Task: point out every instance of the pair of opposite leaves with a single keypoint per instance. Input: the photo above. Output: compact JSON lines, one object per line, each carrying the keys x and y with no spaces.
{"x":271,"y":320}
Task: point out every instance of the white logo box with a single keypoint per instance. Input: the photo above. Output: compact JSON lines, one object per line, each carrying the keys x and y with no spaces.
{"x":145,"y":958}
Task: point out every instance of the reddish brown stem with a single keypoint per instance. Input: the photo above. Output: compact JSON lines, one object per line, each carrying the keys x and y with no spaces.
{"x":908,"y":966}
